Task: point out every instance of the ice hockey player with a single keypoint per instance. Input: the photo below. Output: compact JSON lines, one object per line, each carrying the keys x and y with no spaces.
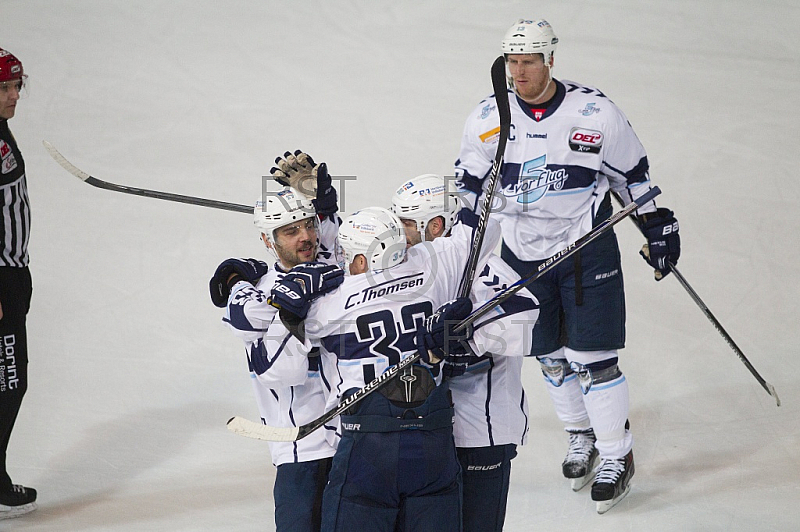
{"x":569,"y":147}
{"x":15,"y":282}
{"x":289,"y":390}
{"x":395,"y":467}
{"x":490,"y":403}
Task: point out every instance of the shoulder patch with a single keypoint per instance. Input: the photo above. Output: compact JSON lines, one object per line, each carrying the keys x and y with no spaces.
{"x":490,"y":136}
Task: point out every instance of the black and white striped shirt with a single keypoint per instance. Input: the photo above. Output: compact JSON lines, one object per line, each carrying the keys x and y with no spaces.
{"x":15,"y":214}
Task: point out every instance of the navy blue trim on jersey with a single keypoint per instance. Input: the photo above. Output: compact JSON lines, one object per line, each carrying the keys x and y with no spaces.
{"x":637,"y":174}
{"x":259,"y":361}
{"x":556,"y":102}
{"x":294,"y":424}
{"x":522,"y":409}
{"x":469,"y":182}
{"x":578,"y":176}
{"x":571,"y":87}
{"x":489,"y":401}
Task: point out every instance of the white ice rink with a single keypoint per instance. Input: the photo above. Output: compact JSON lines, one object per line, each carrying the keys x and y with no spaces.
{"x":133,"y":375}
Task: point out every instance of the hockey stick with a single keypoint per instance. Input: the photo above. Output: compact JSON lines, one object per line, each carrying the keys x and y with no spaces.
{"x":770,"y":389}
{"x":251,"y":429}
{"x":557,"y":258}
{"x":179,"y":198}
{"x":504,"y":110}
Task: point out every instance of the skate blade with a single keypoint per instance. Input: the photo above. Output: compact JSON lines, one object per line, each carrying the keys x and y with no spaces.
{"x":9,"y":512}
{"x":578,"y":483}
{"x":604,"y":506}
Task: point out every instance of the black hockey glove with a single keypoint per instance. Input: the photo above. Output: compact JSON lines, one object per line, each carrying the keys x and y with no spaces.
{"x":230,"y":272}
{"x":302,"y":285}
{"x":326,"y":202}
{"x":436,"y":340}
{"x":663,"y":241}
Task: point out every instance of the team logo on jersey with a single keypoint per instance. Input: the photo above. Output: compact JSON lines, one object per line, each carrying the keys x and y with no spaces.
{"x":486,"y":111}
{"x":585,"y":140}
{"x":535,"y":179}
{"x":589,"y":110}
{"x":538,"y":113}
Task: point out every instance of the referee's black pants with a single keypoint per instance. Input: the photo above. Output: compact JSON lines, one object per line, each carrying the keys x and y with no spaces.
{"x":15,"y":298}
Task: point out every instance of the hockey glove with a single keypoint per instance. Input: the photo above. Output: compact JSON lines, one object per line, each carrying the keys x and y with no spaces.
{"x":302,"y":285}
{"x":436,"y":339}
{"x":300,"y":172}
{"x":230,"y":272}
{"x":663,"y":241}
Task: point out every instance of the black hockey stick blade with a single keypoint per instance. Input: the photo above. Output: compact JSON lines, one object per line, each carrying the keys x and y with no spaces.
{"x":168,"y":196}
{"x":500,"y":88}
{"x":770,"y":389}
{"x":258,"y":431}
{"x":557,"y":258}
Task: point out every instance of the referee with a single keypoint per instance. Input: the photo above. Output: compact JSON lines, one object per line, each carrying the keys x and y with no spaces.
{"x":15,"y":283}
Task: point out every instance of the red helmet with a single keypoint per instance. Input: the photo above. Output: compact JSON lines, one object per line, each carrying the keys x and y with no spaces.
{"x":10,"y":66}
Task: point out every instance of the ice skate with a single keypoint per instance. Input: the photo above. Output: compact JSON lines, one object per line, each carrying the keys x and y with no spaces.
{"x":581,"y":458}
{"x":613,"y":482}
{"x":19,"y":501}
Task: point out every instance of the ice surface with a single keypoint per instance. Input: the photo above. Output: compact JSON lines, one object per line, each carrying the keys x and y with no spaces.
{"x":132,"y":374}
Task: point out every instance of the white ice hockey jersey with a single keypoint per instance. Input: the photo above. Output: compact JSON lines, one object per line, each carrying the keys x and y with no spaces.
{"x":558,"y":166}
{"x":289,"y":385}
{"x":490,"y":403}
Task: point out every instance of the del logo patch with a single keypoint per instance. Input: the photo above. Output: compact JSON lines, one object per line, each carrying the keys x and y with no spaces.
{"x":585,"y":140}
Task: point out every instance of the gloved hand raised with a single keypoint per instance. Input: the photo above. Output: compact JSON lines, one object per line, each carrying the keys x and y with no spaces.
{"x":302,"y":284}
{"x":663,"y":241}
{"x":230,"y":272}
{"x":436,"y":340}
{"x":300,"y":172}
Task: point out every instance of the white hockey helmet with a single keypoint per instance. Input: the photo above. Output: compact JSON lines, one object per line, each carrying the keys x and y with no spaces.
{"x":530,"y":37}
{"x":424,"y":198}
{"x":377,"y":234}
{"x":273,"y":210}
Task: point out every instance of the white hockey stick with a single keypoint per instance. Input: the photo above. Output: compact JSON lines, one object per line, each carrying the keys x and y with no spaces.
{"x":179,"y":198}
{"x":251,"y":429}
